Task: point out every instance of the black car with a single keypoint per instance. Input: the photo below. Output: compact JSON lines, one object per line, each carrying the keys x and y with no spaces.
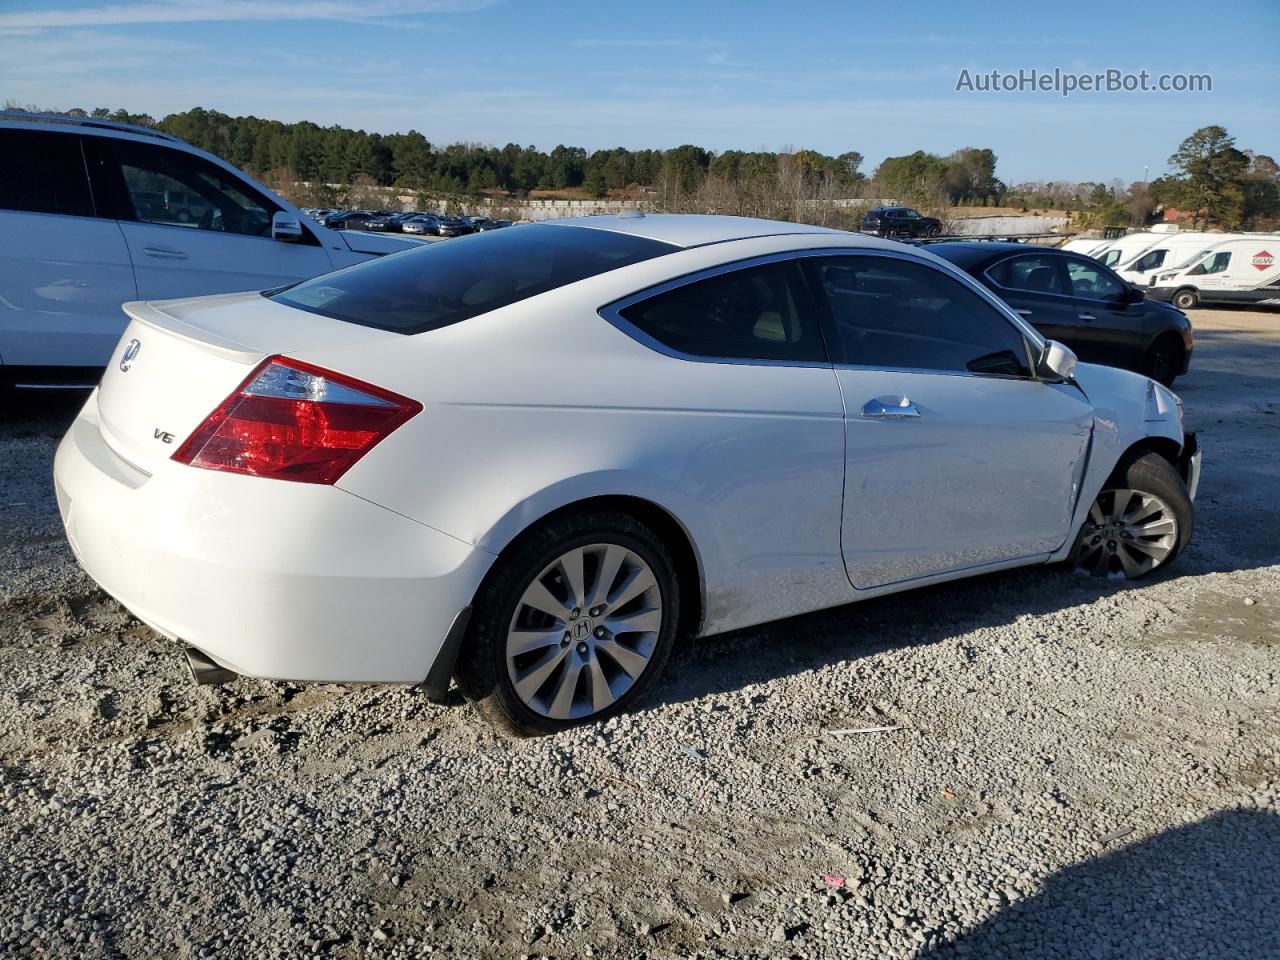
{"x":1076,"y":300}
{"x":481,"y":224}
{"x":349,"y":219}
{"x":899,"y":222}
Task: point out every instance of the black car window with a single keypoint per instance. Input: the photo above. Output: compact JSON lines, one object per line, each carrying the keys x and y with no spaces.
{"x":1034,"y":274}
{"x":180,"y":189}
{"x":900,"y":314}
{"x":444,"y":283}
{"x":1093,"y":282}
{"x":43,"y":172}
{"x":755,"y":313}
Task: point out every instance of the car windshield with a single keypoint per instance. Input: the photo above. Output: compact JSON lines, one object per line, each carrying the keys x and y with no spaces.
{"x":1194,"y":259}
{"x":445,"y":283}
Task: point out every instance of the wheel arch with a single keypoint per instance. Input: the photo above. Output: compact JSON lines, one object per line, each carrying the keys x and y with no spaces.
{"x":1165,"y":447}
{"x":675,"y":535}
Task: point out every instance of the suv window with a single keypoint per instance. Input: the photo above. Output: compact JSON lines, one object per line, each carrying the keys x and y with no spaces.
{"x":1092,"y":282}
{"x":445,"y":283}
{"x":1035,"y":274}
{"x":180,"y":189}
{"x":900,"y":314}
{"x":43,"y":172}
{"x":754,"y":313}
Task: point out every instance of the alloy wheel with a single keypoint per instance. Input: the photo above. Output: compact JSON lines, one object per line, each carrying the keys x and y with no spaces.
{"x":584,"y":631}
{"x":1127,"y":534}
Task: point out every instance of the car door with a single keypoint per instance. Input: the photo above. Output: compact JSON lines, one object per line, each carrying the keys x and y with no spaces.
{"x":1035,"y":285}
{"x":957,"y":457}
{"x":1110,"y":315}
{"x":64,"y":271}
{"x":219,"y":242}
{"x":1211,"y":275}
{"x":765,"y":436}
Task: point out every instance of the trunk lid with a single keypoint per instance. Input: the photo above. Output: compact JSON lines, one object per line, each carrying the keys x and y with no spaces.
{"x":189,"y":356}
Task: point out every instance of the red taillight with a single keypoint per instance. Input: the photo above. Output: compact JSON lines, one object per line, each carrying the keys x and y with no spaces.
{"x":290,"y":420}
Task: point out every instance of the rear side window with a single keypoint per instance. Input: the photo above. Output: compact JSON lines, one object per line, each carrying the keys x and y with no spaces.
{"x":461,"y":278}
{"x":756,"y":313}
{"x":1037,"y":274}
{"x":897,"y":314}
{"x":43,"y":172}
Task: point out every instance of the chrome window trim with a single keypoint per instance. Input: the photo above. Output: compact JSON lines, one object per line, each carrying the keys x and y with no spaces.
{"x":611,"y":312}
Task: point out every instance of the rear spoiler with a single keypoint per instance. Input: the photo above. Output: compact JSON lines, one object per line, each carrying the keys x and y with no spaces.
{"x":153,"y":315}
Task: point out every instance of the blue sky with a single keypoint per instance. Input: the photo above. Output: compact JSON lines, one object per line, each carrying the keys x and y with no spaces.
{"x":876,"y":78}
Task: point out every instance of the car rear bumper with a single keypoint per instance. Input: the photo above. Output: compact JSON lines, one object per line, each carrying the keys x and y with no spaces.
{"x":270,"y":579}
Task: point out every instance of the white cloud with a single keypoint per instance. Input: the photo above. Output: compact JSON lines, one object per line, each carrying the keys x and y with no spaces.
{"x":204,"y":11}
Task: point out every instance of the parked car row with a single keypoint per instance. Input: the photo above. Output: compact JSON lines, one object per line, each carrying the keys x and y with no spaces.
{"x":412,"y":222}
{"x":1187,"y":268}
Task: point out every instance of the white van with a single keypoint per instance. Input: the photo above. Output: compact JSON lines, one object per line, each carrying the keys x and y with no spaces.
{"x":94,"y":213}
{"x":1125,"y":248}
{"x":1169,"y":252}
{"x":1242,"y":269}
{"x":1085,"y":245}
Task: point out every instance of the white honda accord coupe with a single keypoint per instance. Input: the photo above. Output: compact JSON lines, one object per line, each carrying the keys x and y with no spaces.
{"x":534,"y":459}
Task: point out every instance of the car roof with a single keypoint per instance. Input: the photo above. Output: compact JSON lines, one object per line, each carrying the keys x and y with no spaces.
{"x":968,"y":253}
{"x":690,"y":230}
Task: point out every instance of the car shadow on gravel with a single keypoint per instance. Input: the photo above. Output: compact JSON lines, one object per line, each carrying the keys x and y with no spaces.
{"x":30,"y":413}
{"x":730,"y":661}
{"x":1206,"y":890}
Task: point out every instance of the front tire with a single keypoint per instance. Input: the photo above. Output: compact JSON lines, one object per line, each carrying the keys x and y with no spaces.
{"x":1140,"y":522}
{"x":573,"y":625}
{"x":1186,"y":299}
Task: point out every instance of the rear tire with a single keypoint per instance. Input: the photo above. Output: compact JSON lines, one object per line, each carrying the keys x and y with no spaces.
{"x":1186,"y":299}
{"x":1140,"y":522}
{"x":1164,"y":359}
{"x":546,"y":649}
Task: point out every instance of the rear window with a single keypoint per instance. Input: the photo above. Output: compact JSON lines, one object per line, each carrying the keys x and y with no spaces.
{"x":43,"y":172}
{"x":461,"y":278}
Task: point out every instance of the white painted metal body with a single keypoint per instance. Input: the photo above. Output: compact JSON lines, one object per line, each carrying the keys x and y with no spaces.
{"x":790,"y":500}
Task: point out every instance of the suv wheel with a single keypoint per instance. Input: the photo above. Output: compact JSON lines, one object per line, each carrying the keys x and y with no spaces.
{"x":572,"y":626}
{"x":1139,"y":523}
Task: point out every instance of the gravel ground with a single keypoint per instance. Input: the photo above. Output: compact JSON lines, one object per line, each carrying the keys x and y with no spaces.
{"x":1083,"y":769}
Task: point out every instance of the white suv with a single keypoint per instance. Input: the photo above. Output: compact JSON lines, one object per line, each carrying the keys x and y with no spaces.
{"x":94,"y":213}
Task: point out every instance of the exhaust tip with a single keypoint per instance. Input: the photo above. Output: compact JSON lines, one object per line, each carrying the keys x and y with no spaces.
{"x":205,"y":671}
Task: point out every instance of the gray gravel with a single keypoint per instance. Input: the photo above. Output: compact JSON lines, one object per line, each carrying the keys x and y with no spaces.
{"x":1082,"y":770}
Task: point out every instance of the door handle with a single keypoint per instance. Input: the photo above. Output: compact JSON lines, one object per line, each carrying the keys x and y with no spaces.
{"x":890,"y":407}
{"x":166,"y":253}
{"x":1025,"y":313}
{"x":1087,"y":316}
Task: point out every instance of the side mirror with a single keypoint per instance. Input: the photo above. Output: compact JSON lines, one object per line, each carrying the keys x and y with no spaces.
{"x":1133,"y":295}
{"x":1057,"y":362}
{"x":286,"y":227}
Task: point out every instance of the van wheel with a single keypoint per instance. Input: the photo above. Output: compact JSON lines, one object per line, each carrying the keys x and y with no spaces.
{"x":1139,"y":523}
{"x":1163,"y":361}
{"x":1185,"y":299}
{"x":573,"y":625}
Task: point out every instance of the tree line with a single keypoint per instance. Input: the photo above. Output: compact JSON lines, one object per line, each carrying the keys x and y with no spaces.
{"x":1213,"y":181}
